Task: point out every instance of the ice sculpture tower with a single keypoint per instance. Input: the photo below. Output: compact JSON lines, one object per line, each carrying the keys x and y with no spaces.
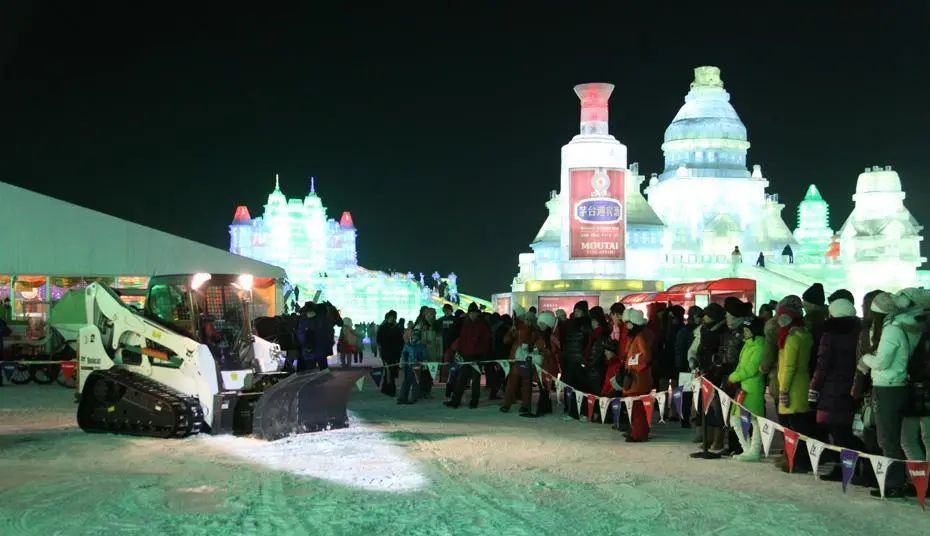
{"x":880,"y":241}
{"x":813,"y":233}
{"x":706,"y":196}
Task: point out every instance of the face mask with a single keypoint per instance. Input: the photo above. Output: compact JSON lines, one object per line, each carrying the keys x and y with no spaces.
{"x":784,"y":320}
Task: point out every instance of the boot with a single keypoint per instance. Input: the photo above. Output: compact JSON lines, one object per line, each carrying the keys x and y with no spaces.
{"x":752,"y":448}
{"x":718,"y":436}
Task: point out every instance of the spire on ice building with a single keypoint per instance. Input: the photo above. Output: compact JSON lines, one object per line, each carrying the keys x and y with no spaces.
{"x":813,"y":232}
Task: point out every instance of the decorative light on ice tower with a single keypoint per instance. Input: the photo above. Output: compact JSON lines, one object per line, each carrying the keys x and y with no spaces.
{"x":813,"y":233}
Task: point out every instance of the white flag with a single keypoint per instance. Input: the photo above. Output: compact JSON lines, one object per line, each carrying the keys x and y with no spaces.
{"x":604,"y":402}
{"x":767,"y":429}
{"x":725,"y":402}
{"x":579,"y":400}
{"x":628,"y":402}
{"x":880,"y":466}
{"x":433,"y":368}
{"x":814,"y":450}
{"x":477,"y":367}
{"x":360,"y":383}
{"x":695,"y":398}
{"x":559,"y":391}
{"x":660,"y":398}
{"x":505,"y":364}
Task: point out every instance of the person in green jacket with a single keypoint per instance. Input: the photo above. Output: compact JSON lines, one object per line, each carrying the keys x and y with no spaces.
{"x":752,"y":385}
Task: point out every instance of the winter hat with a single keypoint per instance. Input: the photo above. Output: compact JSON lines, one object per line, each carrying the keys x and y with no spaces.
{"x":841,"y":294}
{"x":715,"y":311}
{"x":677,"y":311}
{"x":842,"y":308}
{"x":582,"y":305}
{"x":790,"y":308}
{"x":919,"y":298}
{"x":814,"y":294}
{"x":519,"y":311}
{"x":472,"y":307}
{"x":733,"y":306}
{"x":546,"y":320}
{"x":636,"y":317}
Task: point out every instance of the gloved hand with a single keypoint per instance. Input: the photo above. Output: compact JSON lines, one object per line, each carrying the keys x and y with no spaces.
{"x":813,"y":396}
{"x":784,"y":399}
{"x":615,"y":384}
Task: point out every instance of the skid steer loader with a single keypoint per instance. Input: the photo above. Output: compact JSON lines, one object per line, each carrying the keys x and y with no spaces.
{"x":190,"y":363}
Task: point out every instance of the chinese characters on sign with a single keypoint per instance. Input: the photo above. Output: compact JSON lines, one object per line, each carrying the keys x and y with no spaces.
{"x":597,"y":222}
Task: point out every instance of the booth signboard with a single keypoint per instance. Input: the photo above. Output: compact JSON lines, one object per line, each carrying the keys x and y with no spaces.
{"x":598,"y":220}
{"x":567,"y":303}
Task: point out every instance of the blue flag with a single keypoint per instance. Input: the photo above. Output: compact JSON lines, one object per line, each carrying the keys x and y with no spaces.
{"x":745,"y":420}
{"x":677,"y":396}
{"x":615,"y":411}
{"x":848,"y":460}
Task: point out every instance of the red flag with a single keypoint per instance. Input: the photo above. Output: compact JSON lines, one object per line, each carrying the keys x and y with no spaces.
{"x":646,"y":401}
{"x":918,"y":473}
{"x":791,"y":445}
{"x":707,"y":393}
{"x":67,"y":369}
{"x":591,"y":399}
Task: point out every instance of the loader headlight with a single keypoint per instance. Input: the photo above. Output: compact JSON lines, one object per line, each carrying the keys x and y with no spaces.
{"x":199,"y":279}
{"x":246,"y":281}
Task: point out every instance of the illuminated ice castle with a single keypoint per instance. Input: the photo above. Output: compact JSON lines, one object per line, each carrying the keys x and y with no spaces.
{"x":319,"y":255}
{"x":703,"y":204}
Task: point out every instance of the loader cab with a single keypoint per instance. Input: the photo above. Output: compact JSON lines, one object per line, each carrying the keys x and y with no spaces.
{"x":212,"y":309}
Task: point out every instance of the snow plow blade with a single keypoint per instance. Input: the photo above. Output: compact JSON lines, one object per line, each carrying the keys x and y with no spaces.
{"x":305,"y":402}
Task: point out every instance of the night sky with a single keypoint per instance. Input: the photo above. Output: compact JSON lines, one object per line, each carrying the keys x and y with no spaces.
{"x":438,"y":128}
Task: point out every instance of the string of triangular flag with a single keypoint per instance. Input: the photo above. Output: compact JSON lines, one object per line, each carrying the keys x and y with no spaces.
{"x":917,"y":470}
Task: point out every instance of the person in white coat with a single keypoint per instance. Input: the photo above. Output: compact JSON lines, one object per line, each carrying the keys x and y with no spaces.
{"x":888,"y":368}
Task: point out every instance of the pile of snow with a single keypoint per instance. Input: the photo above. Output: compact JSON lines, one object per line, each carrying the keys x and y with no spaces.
{"x":358,"y":456}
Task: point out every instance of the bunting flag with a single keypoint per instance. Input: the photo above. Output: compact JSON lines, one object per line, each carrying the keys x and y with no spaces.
{"x":767,"y":430}
{"x":567,"y":393}
{"x":615,"y":410}
{"x":814,"y":450}
{"x":745,"y":421}
{"x":725,"y":402}
{"x":707,"y":392}
{"x":628,"y":402}
{"x":677,"y":397}
{"x":559,"y":391}
{"x":591,"y":399}
{"x":660,"y":399}
{"x":791,"y":444}
{"x":579,"y":400}
{"x":880,"y":465}
{"x":604,"y":403}
{"x":377,"y":374}
{"x":476,"y":366}
{"x":646,"y":401}
{"x":8,"y":369}
{"x":67,"y":369}
{"x":360,"y":383}
{"x":695,"y":397}
{"x":848,"y":462}
{"x":433,"y":369}
{"x":505,"y":364}
{"x":918,"y":473}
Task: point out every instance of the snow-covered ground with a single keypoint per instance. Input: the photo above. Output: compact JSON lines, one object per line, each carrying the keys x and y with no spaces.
{"x":414,"y":470}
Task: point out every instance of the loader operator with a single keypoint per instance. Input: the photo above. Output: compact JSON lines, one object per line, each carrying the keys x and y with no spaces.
{"x":308,"y":334}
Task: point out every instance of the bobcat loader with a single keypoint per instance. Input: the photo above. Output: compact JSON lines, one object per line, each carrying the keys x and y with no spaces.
{"x":190,"y":363}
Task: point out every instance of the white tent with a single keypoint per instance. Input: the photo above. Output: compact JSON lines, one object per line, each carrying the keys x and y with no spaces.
{"x":41,"y":235}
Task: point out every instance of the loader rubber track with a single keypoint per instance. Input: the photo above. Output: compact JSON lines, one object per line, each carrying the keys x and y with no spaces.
{"x":122,"y":402}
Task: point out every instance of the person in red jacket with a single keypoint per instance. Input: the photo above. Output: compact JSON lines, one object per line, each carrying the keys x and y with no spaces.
{"x":639,"y":366}
{"x":473,"y":345}
{"x":520,"y":334}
